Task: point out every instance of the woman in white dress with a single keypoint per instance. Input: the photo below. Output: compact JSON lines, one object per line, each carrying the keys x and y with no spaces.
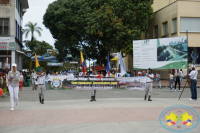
{"x":13,"y":85}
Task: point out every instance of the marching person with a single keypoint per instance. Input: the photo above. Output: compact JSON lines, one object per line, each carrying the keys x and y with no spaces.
{"x":148,"y":88}
{"x":93,"y":92}
{"x":40,"y":79}
{"x":193,"y":76}
{"x":13,"y":85}
{"x":33,"y":80}
{"x":21,"y":81}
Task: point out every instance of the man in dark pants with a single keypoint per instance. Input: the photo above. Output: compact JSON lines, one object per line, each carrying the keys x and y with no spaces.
{"x":193,"y":88}
{"x":93,"y":92}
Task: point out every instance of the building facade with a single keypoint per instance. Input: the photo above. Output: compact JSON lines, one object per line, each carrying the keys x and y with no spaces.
{"x":173,"y":19}
{"x":11,"y":21}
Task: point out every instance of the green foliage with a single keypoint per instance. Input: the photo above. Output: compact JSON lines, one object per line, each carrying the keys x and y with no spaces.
{"x":97,"y":27}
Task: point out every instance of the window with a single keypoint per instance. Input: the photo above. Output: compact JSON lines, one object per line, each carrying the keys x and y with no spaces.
{"x":165,"y":29}
{"x":190,"y":24}
{"x":156,"y":31}
{"x":4,"y":26}
{"x":175,"y":25}
{"x":4,"y":1}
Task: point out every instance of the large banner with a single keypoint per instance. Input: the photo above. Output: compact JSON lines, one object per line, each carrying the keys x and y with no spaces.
{"x":95,"y":83}
{"x":165,"y":53}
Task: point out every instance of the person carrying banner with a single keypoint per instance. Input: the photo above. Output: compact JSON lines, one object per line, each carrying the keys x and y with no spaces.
{"x":193,"y":76}
{"x":13,"y":85}
{"x":148,"y":88}
{"x":41,"y":85}
{"x":93,"y":92}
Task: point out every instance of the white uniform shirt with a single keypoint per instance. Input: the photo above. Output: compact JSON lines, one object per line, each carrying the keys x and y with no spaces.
{"x":193,"y":74}
{"x":41,"y":80}
{"x":148,"y":79}
{"x":180,"y":74}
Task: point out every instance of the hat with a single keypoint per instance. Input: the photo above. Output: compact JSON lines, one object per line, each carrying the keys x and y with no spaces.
{"x":38,"y":70}
{"x":150,"y":69}
{"x":14,"y":65}
{"x":193,"y":66}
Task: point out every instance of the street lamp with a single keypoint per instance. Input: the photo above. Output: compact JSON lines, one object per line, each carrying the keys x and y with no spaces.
{"x":29,"y":54}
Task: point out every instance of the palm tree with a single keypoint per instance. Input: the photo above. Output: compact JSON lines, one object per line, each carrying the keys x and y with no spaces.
{"x":32,"y":28}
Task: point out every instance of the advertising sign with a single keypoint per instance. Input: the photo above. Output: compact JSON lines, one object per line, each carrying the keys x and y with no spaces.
{"x":164,"y":53}
{"x":54,"y":64}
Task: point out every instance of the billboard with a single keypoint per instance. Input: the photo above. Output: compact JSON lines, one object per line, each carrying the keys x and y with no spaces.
{"x":165,"y":53}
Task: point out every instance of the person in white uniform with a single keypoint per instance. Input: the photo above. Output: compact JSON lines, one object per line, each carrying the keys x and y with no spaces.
{"x":40,"y":79}
{"x":149,"y":82}
{"x":13,"y":85}
{"x":93,"y":92}
{"x":193,"y":76}
{"x":33,"y":80}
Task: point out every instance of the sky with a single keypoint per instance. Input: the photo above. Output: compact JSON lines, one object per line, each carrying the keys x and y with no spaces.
{"x":34,"y":14}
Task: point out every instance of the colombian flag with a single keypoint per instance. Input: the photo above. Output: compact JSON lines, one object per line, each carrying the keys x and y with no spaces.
{"x":83,"y":63}
{"x":37,"y":65}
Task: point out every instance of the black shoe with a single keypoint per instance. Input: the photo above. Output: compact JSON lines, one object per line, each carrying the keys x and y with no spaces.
{"x":149,"y":98}
{"x":40,"y":99}
{"x":42,"y":102}
{"x":145,"y":97}
{"x":92,"y":99}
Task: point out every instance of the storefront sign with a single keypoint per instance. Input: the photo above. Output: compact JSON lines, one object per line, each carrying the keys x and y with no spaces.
{"x":11,"y":46}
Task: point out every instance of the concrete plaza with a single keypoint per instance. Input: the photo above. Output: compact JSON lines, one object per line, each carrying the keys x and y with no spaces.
{"x":70,"y":111}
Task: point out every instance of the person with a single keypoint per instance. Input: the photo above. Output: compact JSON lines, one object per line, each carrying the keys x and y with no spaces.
{"x":193,"y":76}
{"x":171,"y":79}
{"x":148,"y":88}
{"x":158,"y":79}
{"x":1,"y":78}
{"x":177,"y":79}
{"x":40,"y":79}
{"x":180,"y":75}
{"x":21,"y":79}
{"x":143,"y":73}
{"x":117,"y":74}
{"x":70,"y":74}
{"x":13,"y":85}
{"x":93,"y":92}
{"x":139,"y":73}
{"x":32,"y":80}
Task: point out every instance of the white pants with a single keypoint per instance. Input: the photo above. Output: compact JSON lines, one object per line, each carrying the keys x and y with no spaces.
{"x":148,"y":89}
{"x":13,"y":94}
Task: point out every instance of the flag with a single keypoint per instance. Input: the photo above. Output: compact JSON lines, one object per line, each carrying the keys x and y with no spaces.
{"x":83,"y":63}
{"x":108,"y":67}
{"x":37,"y":65}
{"x":122,"y":66}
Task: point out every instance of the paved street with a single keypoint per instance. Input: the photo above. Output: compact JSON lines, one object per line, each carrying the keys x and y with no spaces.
{"x":115,"y":111}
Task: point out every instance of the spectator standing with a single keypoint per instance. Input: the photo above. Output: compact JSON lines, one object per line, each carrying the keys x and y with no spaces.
{"x":171,"y":79}
{"x":21,"y":79}
{"x":177,"y":79}
{"x":193,"y":76}
{"x":158,"y":79}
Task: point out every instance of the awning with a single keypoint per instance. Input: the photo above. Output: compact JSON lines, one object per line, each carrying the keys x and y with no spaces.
{"x":20,"y":52}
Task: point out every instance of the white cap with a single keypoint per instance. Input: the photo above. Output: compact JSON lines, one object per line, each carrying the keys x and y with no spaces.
{"x":15,"y":65}
{"x":193,"y":66}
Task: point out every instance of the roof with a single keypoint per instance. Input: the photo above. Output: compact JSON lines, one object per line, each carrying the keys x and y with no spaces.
{"x":25,"y":4}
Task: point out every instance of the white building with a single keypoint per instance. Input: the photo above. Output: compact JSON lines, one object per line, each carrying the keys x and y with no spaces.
{"x":11,"y":20}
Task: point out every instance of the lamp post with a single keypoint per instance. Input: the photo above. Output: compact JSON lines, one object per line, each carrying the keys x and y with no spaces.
{"x":29,"y":54}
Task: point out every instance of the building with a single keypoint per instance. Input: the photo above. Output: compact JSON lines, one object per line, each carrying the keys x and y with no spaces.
{"x":173,"y":18}
{"x":11,"y":20}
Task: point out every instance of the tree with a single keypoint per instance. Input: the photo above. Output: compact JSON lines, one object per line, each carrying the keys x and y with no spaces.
{"x":40,"y":47}
{"x":97,"y":27}
{"x":31,"y":28}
